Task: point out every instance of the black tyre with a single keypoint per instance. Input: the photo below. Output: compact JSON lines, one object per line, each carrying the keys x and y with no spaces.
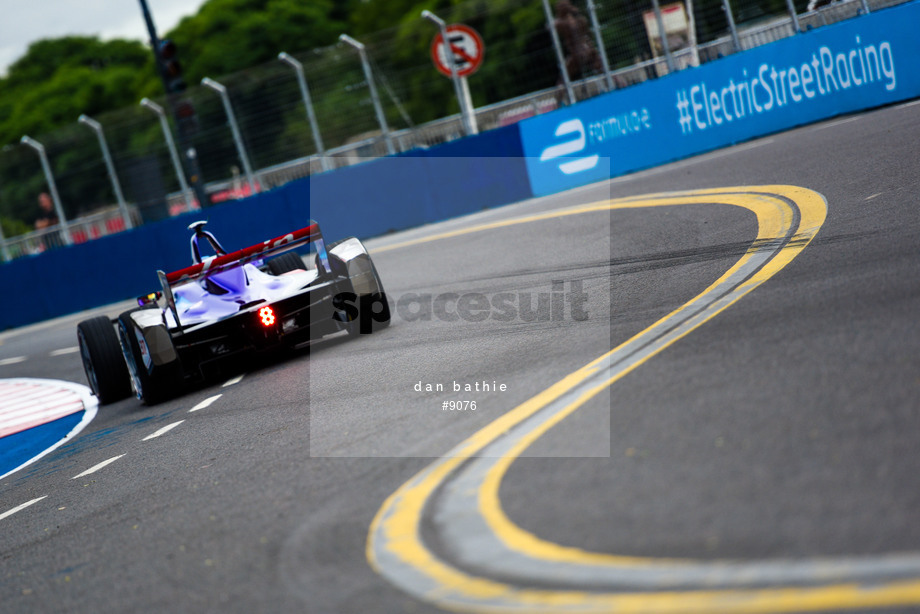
{"x":103,"y":362}
{"x":285,"y":263}
{"x":371,"y":311}
{"x":382,"y":319}
{"x":152,"y":382}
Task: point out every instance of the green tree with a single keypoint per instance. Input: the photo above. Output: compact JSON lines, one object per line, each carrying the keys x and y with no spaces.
{"x":229,"y":35}
{"x":58,"y":79}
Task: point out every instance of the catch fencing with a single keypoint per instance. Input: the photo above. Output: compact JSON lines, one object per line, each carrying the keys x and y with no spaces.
{"x":520,"y":78}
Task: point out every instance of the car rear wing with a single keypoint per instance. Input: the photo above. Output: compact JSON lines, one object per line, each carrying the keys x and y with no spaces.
{"x":212,"y":266}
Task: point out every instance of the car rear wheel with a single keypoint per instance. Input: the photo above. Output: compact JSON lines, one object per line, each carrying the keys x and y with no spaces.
{"x":376,"y":296}
{"x":153,"y":381}
{"x":285,"y":263}
{"x":371,"y":311}
{"x":103,"y":362}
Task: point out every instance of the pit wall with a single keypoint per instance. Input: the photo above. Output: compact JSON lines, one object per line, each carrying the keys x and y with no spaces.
{"x":847,"y":67}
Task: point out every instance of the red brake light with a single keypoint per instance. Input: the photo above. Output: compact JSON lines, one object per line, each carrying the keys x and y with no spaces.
{"x":267,"y":315}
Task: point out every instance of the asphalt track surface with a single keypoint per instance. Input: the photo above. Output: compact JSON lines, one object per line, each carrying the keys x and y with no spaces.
{"x":766,"y":459}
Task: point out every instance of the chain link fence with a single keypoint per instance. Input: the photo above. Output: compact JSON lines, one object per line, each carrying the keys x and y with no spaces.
{"x":609,"y":44}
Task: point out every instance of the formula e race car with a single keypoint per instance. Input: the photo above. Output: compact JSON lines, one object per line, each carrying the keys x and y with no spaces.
{"x":230,"y":306}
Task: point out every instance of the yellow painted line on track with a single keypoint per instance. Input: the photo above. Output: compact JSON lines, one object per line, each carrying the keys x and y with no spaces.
{"x":788,"y":218}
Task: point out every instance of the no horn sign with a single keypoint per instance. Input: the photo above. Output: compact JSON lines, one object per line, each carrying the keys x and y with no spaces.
{"x":466,"y":50}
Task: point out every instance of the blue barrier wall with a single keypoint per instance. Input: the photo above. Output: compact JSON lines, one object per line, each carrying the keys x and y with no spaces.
{"x":420,"y":186}
{"x":365,"y":200}
{"x":854,"y":65}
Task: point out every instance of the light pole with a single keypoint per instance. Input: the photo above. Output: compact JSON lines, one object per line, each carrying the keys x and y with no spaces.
{"x":308,"y":103}
{"x":170,"y":71}
{"x":110,"y":166}
{"x":234,"y":128}
{"x":465,"y":112}
{"x":167,"y":134}
{"x":369,"y":76}
{"x":52,"y":186}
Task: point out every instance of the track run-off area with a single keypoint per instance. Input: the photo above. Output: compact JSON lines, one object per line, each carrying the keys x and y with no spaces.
{"x":696,"y":391}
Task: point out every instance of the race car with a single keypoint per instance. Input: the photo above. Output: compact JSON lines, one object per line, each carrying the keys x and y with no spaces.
{"x":230,"y":306}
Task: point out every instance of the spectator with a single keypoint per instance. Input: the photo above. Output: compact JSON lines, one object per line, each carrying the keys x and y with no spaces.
{"x":46,"y":220}
{"x":46,"y":217}
{"x":581,"y":56}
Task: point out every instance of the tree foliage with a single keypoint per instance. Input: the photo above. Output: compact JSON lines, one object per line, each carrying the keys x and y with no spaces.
{"x":58,"y":79}
{"x":230,"y":35}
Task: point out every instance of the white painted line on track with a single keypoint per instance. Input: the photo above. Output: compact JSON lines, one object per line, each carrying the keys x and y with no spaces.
{"x":19,"y":508}
{"x":206,"y":403}
{"x":162,"y":431}
{"x":908,"y":104}
{"x":65,"y":351}
{"x":235,"y":380}
{"x":837,"y":123}
{"x":12,"y":361}
{"x":96,"y":468}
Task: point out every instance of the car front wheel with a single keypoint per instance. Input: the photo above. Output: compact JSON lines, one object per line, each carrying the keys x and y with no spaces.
{"x":103,"y":362}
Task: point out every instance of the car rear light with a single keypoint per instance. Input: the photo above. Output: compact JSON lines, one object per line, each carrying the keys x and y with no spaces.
{"x":267,"y":316}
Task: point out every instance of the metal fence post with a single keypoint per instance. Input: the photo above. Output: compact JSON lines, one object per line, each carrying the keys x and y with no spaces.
{"x":465,"y":112}
{"x":171,"y":145}
{"x":375,"y":98}
{"x":52,"y":186}
{"x":110,"y":166}
{"x":663,"y":35}
{"x":4,"y":250}
{"x":736,"y":42}
{"x":308,"y":103}
{"x":234,"y":128}
{"x":560,"y":56}
{"x":691,"y":26}
{"x":790,"y":5}
{"x":602,"y":49}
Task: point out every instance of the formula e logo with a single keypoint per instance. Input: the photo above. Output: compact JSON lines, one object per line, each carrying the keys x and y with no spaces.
{"x":574,"y":146}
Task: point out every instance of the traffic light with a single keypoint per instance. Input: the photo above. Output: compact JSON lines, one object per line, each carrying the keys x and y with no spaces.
{"x":172,"y":69}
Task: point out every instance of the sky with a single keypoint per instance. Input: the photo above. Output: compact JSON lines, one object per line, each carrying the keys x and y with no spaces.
{"x":26,"y":21}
